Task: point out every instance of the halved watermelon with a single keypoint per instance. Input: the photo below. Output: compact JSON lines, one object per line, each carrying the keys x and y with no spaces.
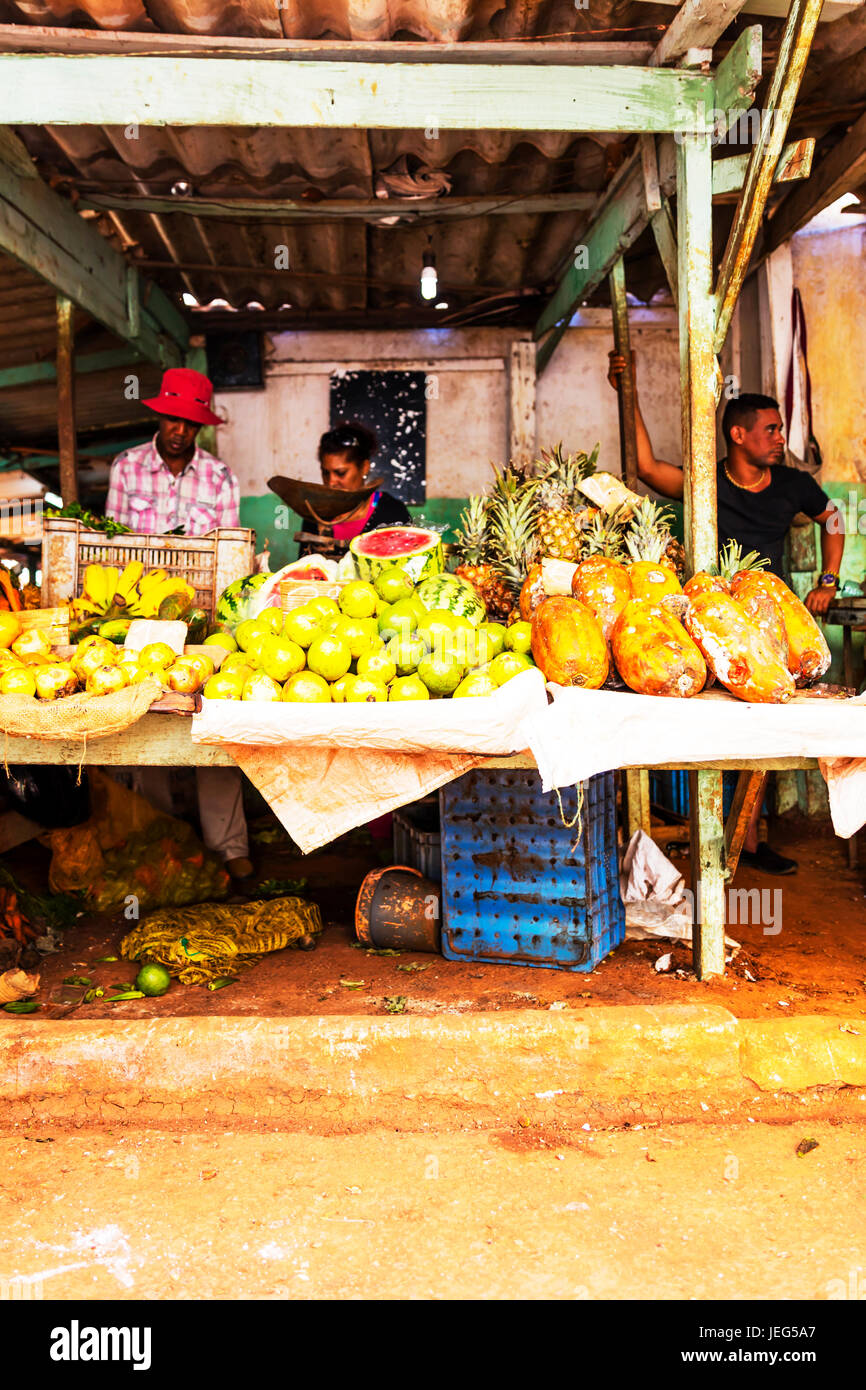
{"x":416,"y":549}
{"x":246,"y":598}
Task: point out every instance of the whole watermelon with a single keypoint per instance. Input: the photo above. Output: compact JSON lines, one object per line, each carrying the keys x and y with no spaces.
{"x":447,"y":591}
{"x":235,"y":603}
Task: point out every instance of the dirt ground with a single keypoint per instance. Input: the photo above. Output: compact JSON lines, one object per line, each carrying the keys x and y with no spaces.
{"x":655,"y":1212}
{"x":816,"y":963}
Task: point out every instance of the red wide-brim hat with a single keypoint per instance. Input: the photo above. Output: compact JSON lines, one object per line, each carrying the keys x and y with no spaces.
{"x":185,"y":394}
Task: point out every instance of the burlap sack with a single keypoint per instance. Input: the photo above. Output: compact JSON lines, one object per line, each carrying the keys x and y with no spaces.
{"x":76,"y":716}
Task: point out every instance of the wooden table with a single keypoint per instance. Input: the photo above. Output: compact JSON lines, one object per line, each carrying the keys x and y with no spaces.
{"x":163,"y":740}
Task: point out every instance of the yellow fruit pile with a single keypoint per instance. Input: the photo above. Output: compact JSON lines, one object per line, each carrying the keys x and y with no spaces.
{"x":364,"y":649}
{"x":28,"y":666}
{"x":102,"y":667}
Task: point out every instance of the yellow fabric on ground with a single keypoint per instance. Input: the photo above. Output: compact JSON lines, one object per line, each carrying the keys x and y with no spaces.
{"x":201,"y":943}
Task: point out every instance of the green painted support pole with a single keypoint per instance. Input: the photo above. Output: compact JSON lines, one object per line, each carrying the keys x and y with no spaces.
{"x":44,"y":232}
{"x":196,"y":358}
{"x":623,"y":216}
{"x":708,"y":874}
{"x":794,"y":50}
{"x":698,"y":406}
{"x":697,"y":361}
{"x":35,"y":372}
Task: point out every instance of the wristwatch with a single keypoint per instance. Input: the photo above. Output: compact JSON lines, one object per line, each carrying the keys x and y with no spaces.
{"x":829,"y":580}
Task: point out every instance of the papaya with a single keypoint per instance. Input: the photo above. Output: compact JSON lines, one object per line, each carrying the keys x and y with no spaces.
{"x":808,"y":653}
{"x":115,"y":630}
{"x":737,"y":652}
{"x":704,"y":583}
{"x":653,"y":652}
{"x":175,"y":608}
{"x":762,"y":610}
{"x":531,"y":593}
{"x":604,"y":586}
{"x":652,"y":580}
{"x":568,"y":644}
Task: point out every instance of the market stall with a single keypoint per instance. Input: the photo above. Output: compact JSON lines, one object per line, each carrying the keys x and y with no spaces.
{"x":674,"y":110}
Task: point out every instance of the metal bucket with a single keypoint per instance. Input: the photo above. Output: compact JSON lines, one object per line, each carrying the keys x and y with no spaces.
{"x":398,"y":909}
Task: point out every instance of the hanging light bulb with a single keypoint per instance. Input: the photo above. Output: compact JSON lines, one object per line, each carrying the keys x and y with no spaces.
{"x":429,"y":278}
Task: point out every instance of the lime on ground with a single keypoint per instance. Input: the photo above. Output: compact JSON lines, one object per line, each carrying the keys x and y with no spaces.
{"x":153,"y":980}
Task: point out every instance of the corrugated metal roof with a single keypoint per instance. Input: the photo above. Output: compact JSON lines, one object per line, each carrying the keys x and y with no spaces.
{"x":359,"y":20}
{"x":353,"y":271}
{"x":332,"y":266}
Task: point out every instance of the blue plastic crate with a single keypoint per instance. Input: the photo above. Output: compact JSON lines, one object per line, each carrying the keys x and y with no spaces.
{"x":513,"y":890}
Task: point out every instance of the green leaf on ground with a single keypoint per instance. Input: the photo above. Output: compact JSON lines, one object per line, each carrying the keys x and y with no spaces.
{"x":395,"y":1003}
{"x":383,"y":951}
{"x":415,"y":965}
{"x":353,"y":984}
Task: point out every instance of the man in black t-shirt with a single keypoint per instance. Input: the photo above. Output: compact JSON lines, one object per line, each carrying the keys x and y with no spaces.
{"x":758,"y":497}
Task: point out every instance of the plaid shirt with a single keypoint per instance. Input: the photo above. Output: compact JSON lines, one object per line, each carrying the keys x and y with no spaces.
{"x":144,"y":494}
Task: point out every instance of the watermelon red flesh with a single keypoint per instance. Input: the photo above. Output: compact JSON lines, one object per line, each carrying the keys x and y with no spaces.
{"x":413,"y":548}
{"x":393,"y":541}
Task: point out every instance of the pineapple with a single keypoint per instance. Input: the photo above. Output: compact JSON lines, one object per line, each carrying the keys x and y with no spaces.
{"x":604,"y":534}
{"x":560,"y":517}
{"x":513,"y":548}
{"x":473,"y":541}
{"x":647,"y":541}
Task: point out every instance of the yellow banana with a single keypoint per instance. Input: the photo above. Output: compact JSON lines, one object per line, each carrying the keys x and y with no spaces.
{"x":130,"y":577}
{"x":96,"y":586}
{"x":151,"y":580}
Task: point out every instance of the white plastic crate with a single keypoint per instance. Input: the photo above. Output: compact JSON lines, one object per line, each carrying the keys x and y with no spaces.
{"x":208,"y":562}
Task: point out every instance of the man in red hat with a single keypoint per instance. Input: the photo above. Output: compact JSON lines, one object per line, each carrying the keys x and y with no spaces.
{"x":156,"y":487}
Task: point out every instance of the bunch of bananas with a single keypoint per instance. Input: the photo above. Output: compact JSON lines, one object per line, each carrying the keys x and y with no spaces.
{"x":109,"y":593}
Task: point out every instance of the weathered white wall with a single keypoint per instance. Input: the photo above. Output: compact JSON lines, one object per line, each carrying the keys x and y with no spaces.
{"x":277,"y":430}
{"x":830,"y":273}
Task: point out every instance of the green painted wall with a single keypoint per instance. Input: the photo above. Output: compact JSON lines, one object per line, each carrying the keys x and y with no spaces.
{"x":272,"y":521}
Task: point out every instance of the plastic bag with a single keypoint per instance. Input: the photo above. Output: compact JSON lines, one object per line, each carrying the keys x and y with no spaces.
{"x":127,"y":848}
{"x":52,"y":796}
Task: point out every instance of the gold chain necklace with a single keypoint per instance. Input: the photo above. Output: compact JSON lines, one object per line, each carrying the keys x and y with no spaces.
{"x":744,"y":487}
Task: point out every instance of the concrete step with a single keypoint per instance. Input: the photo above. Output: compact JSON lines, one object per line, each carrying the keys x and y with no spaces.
{"x":597,"y":1066}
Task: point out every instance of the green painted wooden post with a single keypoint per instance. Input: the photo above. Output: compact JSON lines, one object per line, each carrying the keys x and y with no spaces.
{"x":698,"y":406}
{"x":196,"y":358}
{"x":708,"y":876}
